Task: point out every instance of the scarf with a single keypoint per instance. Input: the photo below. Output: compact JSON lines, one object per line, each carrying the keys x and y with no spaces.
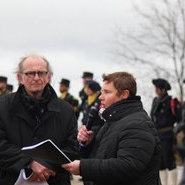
{"x":36,"y":107}
{"x":91,"y":98}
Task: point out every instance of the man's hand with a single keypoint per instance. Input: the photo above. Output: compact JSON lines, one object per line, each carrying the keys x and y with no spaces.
{"x":40,"y":172}
{"x":85,"y":136}
{"x":73,"y":167}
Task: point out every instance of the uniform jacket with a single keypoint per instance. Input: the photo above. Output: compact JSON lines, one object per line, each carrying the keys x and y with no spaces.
{"x":126,"y":150}
{"x":73,"y":102}
{"x":93,"y":108}
{"x":161,"y":112}
{"x":18,"y":129}
{"x":83,"y":97}
{"x":69,"y":98}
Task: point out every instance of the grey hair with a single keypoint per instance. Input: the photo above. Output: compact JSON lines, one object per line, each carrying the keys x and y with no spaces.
{"x":22,"y":59}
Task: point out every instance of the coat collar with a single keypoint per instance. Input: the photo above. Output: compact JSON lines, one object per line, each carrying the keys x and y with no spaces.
{"x":18,"y":109}
{"x":122,"y":109}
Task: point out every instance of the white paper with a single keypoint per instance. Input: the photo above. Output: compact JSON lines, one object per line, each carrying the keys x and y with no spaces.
{"x":23,"y":180}
{"x":36,"y":145}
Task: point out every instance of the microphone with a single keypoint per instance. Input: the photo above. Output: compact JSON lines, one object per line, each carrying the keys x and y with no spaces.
{"x":91,"y":116}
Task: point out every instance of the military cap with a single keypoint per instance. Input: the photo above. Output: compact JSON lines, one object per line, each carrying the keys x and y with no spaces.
{"x":87,"y":75}
{"x":3,"y":79}
{"x":65,"y":82}
{"x":93,"y":85}
{"x":162,"y":84}
{"x":9,"y":87}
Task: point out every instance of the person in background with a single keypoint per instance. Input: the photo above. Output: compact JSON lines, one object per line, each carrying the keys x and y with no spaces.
{"x":87,"y":76}
{"x":91,"y":108}
{"x":164,"y":116}
{"x":9,"y":88}
{"x":30,"y":115}
{"x":181,"y":147}
{"x":3,"y":85}
{"x":3,"y":90}
{"x":92,"y":104}
{"x":126,"y":150}
{"x":65,"y":95}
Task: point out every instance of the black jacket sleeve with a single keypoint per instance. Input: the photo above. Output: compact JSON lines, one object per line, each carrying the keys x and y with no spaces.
{"x":134,"y":152}
{"x":71,"y":145}
{"x":11,"y":157}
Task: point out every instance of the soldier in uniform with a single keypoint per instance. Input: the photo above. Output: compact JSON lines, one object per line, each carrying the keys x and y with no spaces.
{"x":9,"y":88}
{"x":87,"y":76}
{"x":91,"y":107}
{"x":181,"y":127}
{"x":65,"y":95}
{"x":164,"y":119}
{"x":3,"y":85}
{"x":92,"y":104}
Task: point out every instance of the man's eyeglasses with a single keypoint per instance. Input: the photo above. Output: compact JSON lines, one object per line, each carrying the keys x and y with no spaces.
{"x":31,"y":74}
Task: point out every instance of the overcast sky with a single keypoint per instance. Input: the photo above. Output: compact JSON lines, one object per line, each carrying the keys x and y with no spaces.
{"x":74,"y":35}
{"x":59,"y":24}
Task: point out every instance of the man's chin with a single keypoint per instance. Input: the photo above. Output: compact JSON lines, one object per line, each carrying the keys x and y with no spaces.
{"x":36,"y":90}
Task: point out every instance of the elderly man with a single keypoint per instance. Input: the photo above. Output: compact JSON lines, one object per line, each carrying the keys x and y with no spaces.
{"x":126,"y":149}
{"x":32,"y":114}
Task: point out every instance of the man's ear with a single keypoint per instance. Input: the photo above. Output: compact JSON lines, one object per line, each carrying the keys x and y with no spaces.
{"x":125,"y":94}
{"x":19,"y":78}
{"x":49,"y":78}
